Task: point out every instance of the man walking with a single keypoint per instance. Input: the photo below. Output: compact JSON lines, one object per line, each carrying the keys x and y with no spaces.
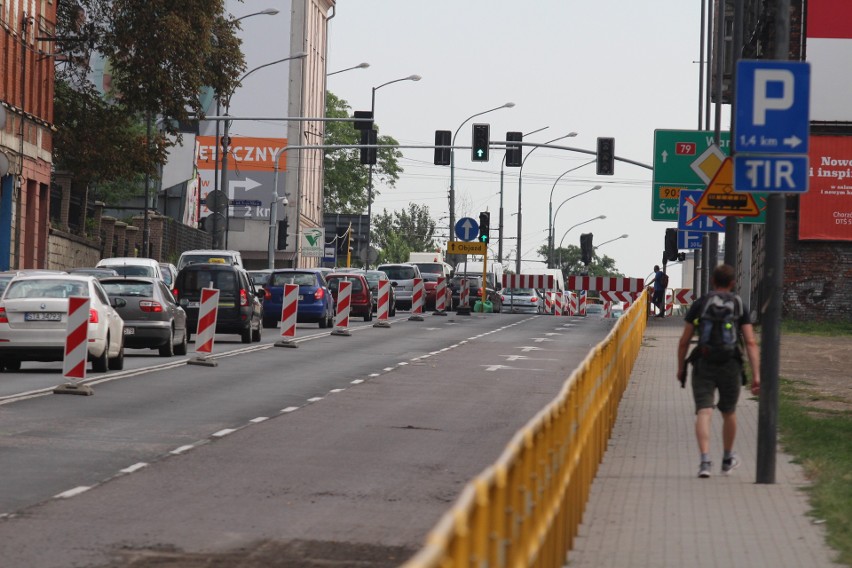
{"x":661,"y":281}
{"x":720,"y":318}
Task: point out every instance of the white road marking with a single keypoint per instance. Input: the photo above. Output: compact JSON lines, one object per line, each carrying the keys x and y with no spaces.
{"x":374,"y":375}
{"x":388,"y":369}
{"x":182,"y":449}
{"x":315,"y":399}
{"x":259,"y":419}
{"x":223,"y":433}
{"x":357,"y":381}
{"x":72,"y":492}
{"x":290,"y":409}
{"x":529,"y":348}
{"x":336,"y":390}
{"x":402,"y":364}
{"x":541,"y":339}
{"x":525,"y":358}
{"x":504,"y":367}
{"x":134,"y":467}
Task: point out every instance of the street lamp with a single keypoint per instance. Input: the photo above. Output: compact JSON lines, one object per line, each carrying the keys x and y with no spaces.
{"x":569,"y":230}
{"x":624,"y":236}
{"x":520,"y":182}
{"x":370,"y":185}
{"x":267,"y":12}
{"x":453,"y":163}
{"x":359,"y":66}
{"x":227,"y":141}
{"x":552,"y":216}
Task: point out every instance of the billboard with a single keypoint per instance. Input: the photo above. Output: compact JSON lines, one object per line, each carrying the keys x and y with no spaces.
{"x":829,"y":50}
{"x":825,"y":211}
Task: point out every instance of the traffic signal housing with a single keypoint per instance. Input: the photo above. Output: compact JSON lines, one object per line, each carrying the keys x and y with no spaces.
{"x":443,"y":147}
{"x":587,"y":251}
{"x":514,"y":157}
{"x":363,"y":124}
{"x":368,"y":155}
{"x":484,"y":226}
{"x":605,"y":157}
{"x":671,"y":245}
{"x":281,"y":240}
{"x":480,"y":139}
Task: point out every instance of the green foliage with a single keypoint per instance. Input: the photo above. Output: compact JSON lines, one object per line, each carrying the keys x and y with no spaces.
{"x":820,"y":442}
{"x":817,"y":327}
{"x":346,"y":179}
{"x":568,"y":259}
{"x":401,"y":232}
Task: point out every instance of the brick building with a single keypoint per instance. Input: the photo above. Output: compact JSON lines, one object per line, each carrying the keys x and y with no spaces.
{"x":26,"y":142}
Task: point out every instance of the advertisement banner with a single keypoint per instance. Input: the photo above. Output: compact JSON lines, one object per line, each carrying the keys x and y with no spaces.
{"x":313,"y":242}
{"x":825,"y":212}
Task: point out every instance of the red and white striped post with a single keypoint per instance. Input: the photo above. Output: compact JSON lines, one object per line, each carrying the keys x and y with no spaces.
{"x":607,"y":309}
{"x":441,"y":296}
{"x":76,"y":351}
{"x":207,"y":313}
{"x":558,"y":297}
{"x":383,"y":304}
{"x":573,"y":304}
{"x":548,"y":302}
{"x":417,"y":300}
{"x":581,"y":305}
{"x":464,"y":298}
{"x":289,"y":314}
{"x":344,"y":304}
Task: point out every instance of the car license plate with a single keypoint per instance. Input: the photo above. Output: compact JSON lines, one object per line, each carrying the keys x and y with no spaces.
{"x":193,"y":305}
{"x":43,"y":316}
{"x":129,"y":330}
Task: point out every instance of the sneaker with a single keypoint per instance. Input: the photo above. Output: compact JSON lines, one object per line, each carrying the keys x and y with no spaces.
{"x":704,"y":469}
{"x":730,"y":464}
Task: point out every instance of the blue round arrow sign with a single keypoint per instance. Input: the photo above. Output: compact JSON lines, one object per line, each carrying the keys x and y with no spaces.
{"x":467,"y":229}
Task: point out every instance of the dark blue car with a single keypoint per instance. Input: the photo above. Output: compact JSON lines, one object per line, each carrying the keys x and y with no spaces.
{"x":316,"y":304}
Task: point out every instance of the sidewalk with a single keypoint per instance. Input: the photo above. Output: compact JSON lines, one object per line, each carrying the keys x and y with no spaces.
{"x":648,"y":507}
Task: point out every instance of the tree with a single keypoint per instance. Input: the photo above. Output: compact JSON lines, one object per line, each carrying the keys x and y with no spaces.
{"x":346,"y":179}
{"x":568,"y":260}
{"x":401,"y":232}
{"x":161,"y":55}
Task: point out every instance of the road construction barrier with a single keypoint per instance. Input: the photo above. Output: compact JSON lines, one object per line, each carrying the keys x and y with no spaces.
{"x":548,"y":302}
{"x":525,"y":509}
{"x":76,"y":339}
{"x":206,"y":330}
{"x":557,"y":307}
{"x":289,"y":315}
{"x":604,"y":283}
{"x":539,"y":281}
{"x":573,"y":304}
{"x":607,"y":309}
{"x":418,"y":294}
{"x":581,"y":303}
{"x":344,"y":303}
{"x":441,"y":295}
{"x":383,"y":304}
{"x":683,"y":296}
{"x":464,"y":293}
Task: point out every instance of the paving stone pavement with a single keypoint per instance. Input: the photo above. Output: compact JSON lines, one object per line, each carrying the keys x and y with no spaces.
{"x":648,"y":507}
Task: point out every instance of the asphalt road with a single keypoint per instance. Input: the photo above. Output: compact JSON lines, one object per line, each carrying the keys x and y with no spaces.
{"x":345,"y":450}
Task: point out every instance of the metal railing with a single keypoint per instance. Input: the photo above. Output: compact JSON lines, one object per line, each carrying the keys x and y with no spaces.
{"x":525,"y":509}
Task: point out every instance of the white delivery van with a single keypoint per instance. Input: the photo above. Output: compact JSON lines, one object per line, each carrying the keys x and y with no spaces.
{"x":425,"y":257}
{"x":494,"y":276}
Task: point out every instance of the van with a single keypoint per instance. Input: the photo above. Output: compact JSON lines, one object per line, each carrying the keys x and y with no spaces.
{"x":132,"y":266}
{"x":402,"y":278}
{"x":210,"y":255}
{"x":494,"y":276}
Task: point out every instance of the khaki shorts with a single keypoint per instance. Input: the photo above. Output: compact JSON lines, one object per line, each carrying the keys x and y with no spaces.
{"x":726,"y":378}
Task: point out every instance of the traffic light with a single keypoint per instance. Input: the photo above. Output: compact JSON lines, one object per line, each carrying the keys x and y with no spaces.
{"x":671,"y":244}
{"x":587,"y":251}
{"x":282,"y":235}
{"x":481,"y":139}
{"x":443,"y":146}
{"x":484,"y":226}
{"x":606,"y":156}
{"x":514,"y":158}
{"x":363,"y":124}
{"x":368,"y":155}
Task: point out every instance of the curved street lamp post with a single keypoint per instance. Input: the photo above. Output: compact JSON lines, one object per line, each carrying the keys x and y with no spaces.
{"x":552,"y":216}
{"x":569,"y":230}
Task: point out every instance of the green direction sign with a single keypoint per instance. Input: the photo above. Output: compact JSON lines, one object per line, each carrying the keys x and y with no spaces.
{"x":683,"y":159}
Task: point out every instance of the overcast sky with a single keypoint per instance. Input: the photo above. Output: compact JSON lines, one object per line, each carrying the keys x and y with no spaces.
{"x":614,"y":68}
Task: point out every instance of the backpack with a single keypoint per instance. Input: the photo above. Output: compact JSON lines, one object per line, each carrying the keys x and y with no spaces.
{"x":665,"y":280}
{"x":718,"y":331}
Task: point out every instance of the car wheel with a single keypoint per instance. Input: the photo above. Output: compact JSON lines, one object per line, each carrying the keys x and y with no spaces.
{"x":246,"y":334}
{"x":117,"y":363}
{"x":369,"y":316}
{"x":256,"y":335}
{"x":101,"y":364}
{"x":12,"y":365}
{"x":168,"y":349}
{"x":323,"y":321}
{"x":180,"y":348}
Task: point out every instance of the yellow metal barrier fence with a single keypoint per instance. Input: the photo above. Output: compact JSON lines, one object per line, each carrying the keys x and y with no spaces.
{"x":525,"y":509}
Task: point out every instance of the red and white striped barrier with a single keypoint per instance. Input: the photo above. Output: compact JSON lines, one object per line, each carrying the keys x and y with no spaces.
{"x":464,"y":294}
{"x":573,"y":304}
{"x":607,"y":309}
{"x":441,"y":295}
{"x":548,"y":302}
{"x":541,"y":281}
{"x":669,"y":303}
{"x":206,"y":330}
{"x":618,"y":296}
{"x":684,"y":296}
{"x":289,"y":314}
{"x":76,"y":339}
{"x":581,"y":305}
{"x":417,"y":295}
{"x":383,"y":304}
{"x":344,"y":305}
{"x":604,"y":283}
{"x":559,"y":297}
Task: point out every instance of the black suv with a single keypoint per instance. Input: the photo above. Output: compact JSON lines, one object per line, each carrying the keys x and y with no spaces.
{"x":474,"y":287}
{"x":240,"y":310}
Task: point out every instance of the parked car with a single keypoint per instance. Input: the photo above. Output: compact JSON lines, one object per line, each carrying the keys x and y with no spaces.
{"x":522,"y":301}
{"x":209,"y":255}
{"x":595,"y":311}
{"x":259,"y":277}
{"x":316,"y":304}
{"x":617,"y":312}
{"x":6,"y":277}
{"x":474,"y":286}
{"x":96,"y":272}
{"x":240,"y":310}
{"x":132,"y":266}
{"x":373,"y":278}
{"x":361,"y":300}
{"x":403,"y":275}
{"x":169,"y":273}
{"x":152,"y":317}
{"x":34,"y":321}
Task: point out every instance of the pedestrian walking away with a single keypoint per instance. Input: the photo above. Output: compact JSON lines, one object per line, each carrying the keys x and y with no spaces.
{"x":661,"y":282}
{"x":724,"y":328}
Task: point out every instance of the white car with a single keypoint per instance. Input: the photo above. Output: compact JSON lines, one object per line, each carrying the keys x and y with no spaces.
{"x":34,"y":320}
